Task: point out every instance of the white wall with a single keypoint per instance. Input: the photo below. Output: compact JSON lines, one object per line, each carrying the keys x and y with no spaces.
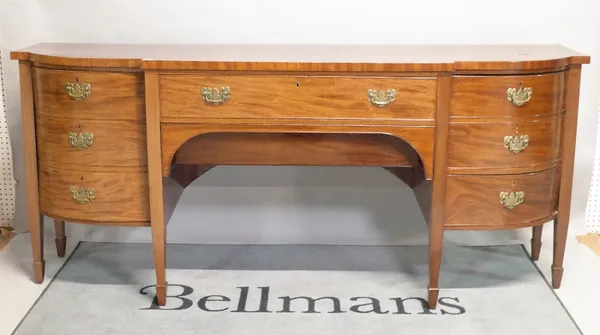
{"x":294,"y":204}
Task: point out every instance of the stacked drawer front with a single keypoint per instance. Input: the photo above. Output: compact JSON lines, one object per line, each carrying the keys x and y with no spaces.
{"x":504,"y":150}
{"x":91,"y":141}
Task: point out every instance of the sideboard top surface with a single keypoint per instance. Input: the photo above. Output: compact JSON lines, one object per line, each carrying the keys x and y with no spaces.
{"x":330,"y":58}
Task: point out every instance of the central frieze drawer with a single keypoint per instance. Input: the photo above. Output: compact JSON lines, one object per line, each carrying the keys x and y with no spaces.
{"x":240,"y":96}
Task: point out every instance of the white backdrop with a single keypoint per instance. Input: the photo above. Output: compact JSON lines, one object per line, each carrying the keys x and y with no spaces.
{"x":7,"y":181}
{"x":299,"y":204}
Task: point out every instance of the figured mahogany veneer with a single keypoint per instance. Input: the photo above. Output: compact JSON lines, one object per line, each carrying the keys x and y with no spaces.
{"x":294,"y":97}
{"x":486,"y":96}
{"x":295,"y":149}
{"x":118,"y":196}
{"x":485,"y":135}
{"x":119,"y":144}
{"x":473,"y":202}
{"x":466,"y":140}
{"x":116,"y":95}
{"x":176,"y":136}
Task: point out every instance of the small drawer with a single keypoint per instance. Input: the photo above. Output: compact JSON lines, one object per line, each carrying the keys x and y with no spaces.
{"x":507,"y":96}
{"x":241,"y":96}
{"x":83,"y":144}
{"x":89,"y":94}
{"x":501,"y":201}
{"x":94,"y":196}
{"x":526,"y":146}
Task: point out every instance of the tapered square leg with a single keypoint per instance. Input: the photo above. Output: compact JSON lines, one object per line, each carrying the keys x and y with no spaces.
{"x":155,"y":180}
{"x":37,"y":245}
{"x":158,"y":245}
{"x":39,"y":269}
{"x":560,"y":240}
{"x":435,"y":260}
{"x":561,"y":221}
{"x":161,"y":294}
{"x":536,"y":242}
{"x":34,"y":217}
{"x":60,"y":237}
{"x":432,"y":297}
{"x":438,"y":192}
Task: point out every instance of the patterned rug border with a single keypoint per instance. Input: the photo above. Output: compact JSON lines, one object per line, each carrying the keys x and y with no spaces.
{"x":522,"y":247}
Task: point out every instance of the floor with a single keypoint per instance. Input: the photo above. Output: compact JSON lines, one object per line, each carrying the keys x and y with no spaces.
{"x":579,"y":292}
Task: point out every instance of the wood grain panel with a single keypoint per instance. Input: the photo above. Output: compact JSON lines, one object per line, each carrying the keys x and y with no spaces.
{"x":175,"y":136}
{"x":561,"y":223}
{"x":486,"y":96}
{"x":35,"y":221}
{"x":474,"y":201}
{"x":118,"y":196}
{"x":296,"y":149}
{"x":480,"y":146}
{"x":354,"y":58}
{"x":113,"y":95}
{"x":295,"y":97}
{"x":438,"y":189}
{"x":115,"y":144}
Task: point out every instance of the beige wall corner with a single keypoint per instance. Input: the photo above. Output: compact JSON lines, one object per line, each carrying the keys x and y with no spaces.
{"x":591,"y":240}
{"x":6,"y":234}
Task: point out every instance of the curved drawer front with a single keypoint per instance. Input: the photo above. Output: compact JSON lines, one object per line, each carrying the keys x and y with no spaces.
{"x":89,"y":94}
{"x":525,"y":145}
{"x":81,"y":144}
{"x":94,"y":196}
{"x":237,"y":96}
{"x":507,"y":96}
{"x":501,"y":201}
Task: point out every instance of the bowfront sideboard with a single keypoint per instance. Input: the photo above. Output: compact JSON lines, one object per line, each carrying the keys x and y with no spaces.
{"x":485,"y":135}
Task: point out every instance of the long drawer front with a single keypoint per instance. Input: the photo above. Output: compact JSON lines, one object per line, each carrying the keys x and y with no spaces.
{"x":201,"y":97}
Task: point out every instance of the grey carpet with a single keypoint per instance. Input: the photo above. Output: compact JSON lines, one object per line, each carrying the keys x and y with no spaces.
{"x":319,"y":290}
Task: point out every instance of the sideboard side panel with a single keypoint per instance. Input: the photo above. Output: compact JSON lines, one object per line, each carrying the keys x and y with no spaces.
{"x":561,"y":222}
{"x":438,"y":197}
{"x":155,"y":181}
{"x":34,"y":218}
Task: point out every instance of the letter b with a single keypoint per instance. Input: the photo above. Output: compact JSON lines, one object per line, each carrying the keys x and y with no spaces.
{"x":185,"y":302}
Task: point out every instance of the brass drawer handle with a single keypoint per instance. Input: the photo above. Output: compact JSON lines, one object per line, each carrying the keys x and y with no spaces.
{"x":516,"y":144}
{"x":77,"y":90}
{"x":82,"y":195}
{"x":520,"y":96}
{"x":80,"y":141}
{"x":215,"y":96}
{"x":512,"y":199}
{"x":381,"y":98}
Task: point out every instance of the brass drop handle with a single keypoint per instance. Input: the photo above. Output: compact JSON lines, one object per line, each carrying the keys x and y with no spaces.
{"x":80,"y":141}
{"x":512,"y":199}
{"x":516,"y":144}
{"x":519,"y":96}
{"x":77,"y":90}
{"x":381,"y":98}
{"x":215,"y":96}
{"x":82,"y":195}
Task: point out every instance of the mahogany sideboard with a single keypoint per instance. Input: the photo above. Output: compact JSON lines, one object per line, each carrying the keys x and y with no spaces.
{"x":485,"y":135}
